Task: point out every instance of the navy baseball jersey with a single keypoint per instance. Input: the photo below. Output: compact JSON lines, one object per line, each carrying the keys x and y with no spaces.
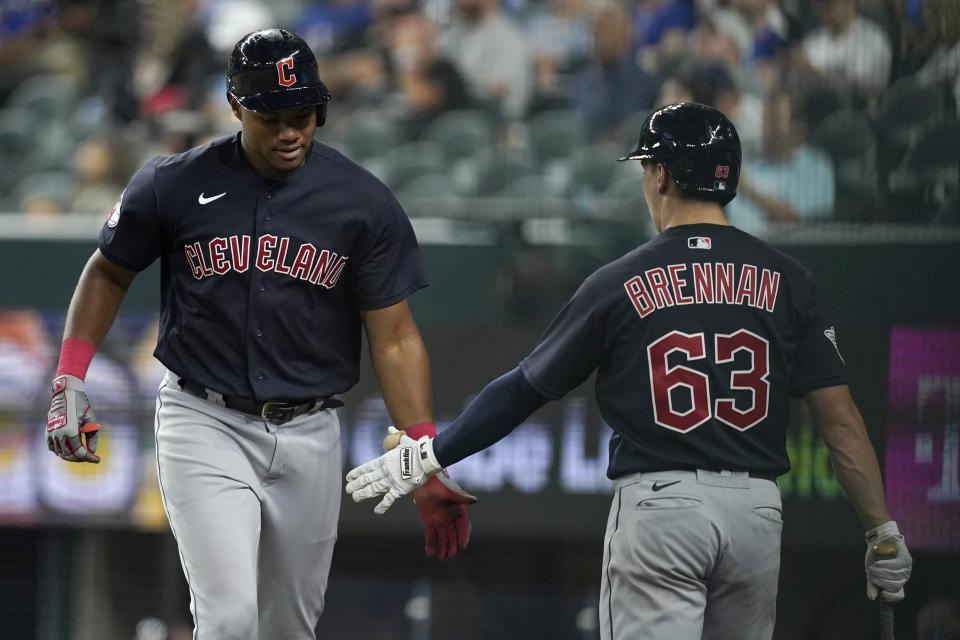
{"x":263,"y":282}
{"x":699,"y":337}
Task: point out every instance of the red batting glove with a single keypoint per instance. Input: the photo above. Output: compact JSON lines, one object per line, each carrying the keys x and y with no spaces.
{"x":442,"y":506}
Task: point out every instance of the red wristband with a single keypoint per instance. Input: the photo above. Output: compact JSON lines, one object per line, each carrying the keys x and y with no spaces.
{"x":75,"y":357}
{"x":417,"y":431}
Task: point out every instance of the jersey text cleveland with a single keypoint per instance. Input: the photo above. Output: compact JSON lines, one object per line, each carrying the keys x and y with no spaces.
{"x":220,"y":255}
{"x":703,"y":283}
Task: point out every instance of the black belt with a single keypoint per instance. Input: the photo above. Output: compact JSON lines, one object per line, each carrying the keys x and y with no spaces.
{"x":772,"y":477}
{"x":275,"y":411}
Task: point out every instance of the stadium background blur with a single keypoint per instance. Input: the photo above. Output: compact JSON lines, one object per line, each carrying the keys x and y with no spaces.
{"x":497,"y":124}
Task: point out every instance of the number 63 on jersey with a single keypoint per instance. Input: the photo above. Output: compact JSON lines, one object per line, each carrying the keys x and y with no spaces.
{"x":664,"y":379}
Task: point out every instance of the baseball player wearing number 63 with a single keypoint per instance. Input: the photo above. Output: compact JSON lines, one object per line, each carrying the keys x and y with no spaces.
{"x":276,"y":252}
{"x":698,"y":338}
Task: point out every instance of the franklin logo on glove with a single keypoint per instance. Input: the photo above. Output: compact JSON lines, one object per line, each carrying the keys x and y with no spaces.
{"x":406,"y":464}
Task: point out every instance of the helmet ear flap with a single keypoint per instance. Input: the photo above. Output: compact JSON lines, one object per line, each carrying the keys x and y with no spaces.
{"x":321,"y":114}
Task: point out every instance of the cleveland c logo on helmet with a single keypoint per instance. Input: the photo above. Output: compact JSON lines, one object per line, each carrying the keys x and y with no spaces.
{"x":282,"y":77}
{"x":274,"y":70}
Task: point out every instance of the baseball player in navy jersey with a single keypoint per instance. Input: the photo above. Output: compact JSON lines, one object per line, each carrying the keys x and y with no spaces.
{"x":275,"y":250}
{"x":698,"y":339}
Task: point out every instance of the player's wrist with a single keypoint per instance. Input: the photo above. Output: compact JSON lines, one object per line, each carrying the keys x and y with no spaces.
{"x":888,"y":529}
{"x":66,"y":381}
{"x":76,"y":354}
{"x":428,"y":459}
{"x":417,"y":431}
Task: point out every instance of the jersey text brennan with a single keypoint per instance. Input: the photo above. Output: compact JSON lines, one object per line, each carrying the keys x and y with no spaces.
{"x":707,"y":283}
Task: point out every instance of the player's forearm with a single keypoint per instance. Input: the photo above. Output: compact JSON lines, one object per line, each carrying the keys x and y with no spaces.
{"x":851,"y":452}
{"x":403,"y":372}
{"x":494,"y":413}
{"x":96,"y":301}
{"x":856,"y":467}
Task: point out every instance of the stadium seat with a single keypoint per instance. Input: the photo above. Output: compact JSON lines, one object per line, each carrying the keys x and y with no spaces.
{"x":461,"y":133}
{"x":905,"y":109}
{"x":408,"y":161}
{"x":46,"y":96}
{"x":592,"y":170}
{"x":15,"y":147}
{"x":430,"y":195}
{"x":555,"y":135}
{"x":849,"y":140}
{"x":931,"y":165}
{"x":630,"y":128}
{"x":58,"y":185}
{"x":531,"y":187}
{"x":495,"y":170}
{"x":823,"y":101}
{"x":624,"y":200}
{"x":367,"y":137}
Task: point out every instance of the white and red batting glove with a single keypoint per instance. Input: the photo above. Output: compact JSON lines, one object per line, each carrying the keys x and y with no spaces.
{"x":410,"y":466}
{"x":72,"y":429}
{"x":886,"y":576}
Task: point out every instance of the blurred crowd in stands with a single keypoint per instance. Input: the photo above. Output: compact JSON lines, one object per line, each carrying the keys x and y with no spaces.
{"x":847,"y":109}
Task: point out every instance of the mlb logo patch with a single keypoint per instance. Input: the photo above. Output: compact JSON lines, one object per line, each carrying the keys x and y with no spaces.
{"x":699,"y":242}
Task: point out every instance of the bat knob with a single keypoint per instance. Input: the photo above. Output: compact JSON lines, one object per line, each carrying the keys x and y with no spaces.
{"x":392,"y":440}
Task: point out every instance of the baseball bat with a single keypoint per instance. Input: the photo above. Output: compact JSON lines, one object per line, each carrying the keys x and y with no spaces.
{"x":885,"y":550}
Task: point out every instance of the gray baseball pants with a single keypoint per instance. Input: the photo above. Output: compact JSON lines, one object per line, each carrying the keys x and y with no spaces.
{"x":254,"y":509}
{"x":696,"y":559}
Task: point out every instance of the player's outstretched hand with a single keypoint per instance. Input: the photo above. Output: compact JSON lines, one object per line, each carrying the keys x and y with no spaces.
{"x":72,"y":429}
{"x":887,"y":574}
{"x":442,"y":506}
{"x":394,"y":474}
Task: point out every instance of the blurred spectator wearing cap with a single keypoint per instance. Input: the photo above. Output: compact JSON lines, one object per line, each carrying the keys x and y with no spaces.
{"x":661,"y":30}
{"x":768,"y":27}
{"x":560,"y":44}
{"x":427,"y":84}
{"x":490,"y":52}
{"x":613,"y":86}
{"x":335,"y":26}
{"x":848,"y":48}
{"x":401,"y":72}
{"x":789,"y":181}
{"x":360,"y":76}
{"x":726,"y":37}
{"x":654,"y":20}
{"x":711,"y":83}
{"x":21,"y":28}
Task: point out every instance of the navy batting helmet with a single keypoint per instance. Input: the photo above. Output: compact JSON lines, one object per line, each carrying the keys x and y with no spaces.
{"x":272,"y":70}
{"x":698,"y":145}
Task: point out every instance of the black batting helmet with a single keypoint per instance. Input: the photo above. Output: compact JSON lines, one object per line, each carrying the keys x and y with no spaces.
{"x":272,"y":70}
{"x":698,"y":145}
